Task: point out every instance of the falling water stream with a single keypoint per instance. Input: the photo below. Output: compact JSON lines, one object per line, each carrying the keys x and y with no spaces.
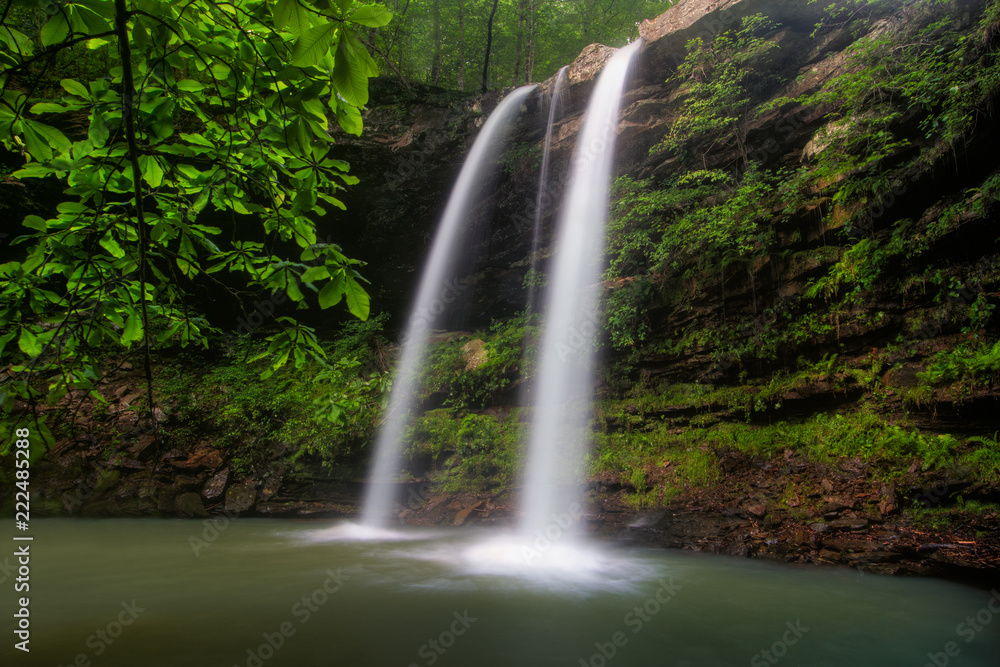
{"x":545,"y":196}
{"x":563,"y":388}
{"x":430,"y":301}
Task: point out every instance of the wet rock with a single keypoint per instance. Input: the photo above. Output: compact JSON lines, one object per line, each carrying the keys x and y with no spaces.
{"x":241,"y":496}
{"x":205,"y":457}
{"x":475,"y":354}
{"x":272,"y":483}
{"x":166,"y":499}
{"x":189,"y":504}
{"x":848,"y":524}
{"x":889,"y":503}
{"x":144,"y":448}
{"x":464,"y":514}
{"x":190,"y":482}
{"x":216,"y":485}
{"x":755,"y":509}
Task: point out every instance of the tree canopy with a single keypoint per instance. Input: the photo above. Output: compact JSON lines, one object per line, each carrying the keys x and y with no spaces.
{"x":196,"y":152}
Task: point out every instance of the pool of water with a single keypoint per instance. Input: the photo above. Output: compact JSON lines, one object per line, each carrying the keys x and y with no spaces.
{"x":257,"y":593}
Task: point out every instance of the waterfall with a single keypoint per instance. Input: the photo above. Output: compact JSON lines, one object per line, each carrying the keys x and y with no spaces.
{"x":545,"y":197}
{"x":563,"y":393}
{"x":433,"y":295}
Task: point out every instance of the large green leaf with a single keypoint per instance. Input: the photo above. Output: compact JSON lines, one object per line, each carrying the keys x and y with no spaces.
{"x":350,"y":74}
{"x":152,"y":170}
{"x":358,"y":301}
{"x":75,"y":88}
{"x":29,"y":344}
{"x":44,"y":141}
{"x":292,"y":16}
{"x":315,"y":43}
{"x":133,"y":329}
{"x":56,"y":30}
{"x":349,"y":117}
{"x":373,"y":16}
{"x":332,"y":292}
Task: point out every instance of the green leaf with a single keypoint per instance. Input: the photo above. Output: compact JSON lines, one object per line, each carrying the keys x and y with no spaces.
{"x":56,"y":30}
{"x":152,"y":170}
{"x":358,"y":301}
{"x":29,"y":344}
{"x":373,"y":16}
{"x":111,"y":245}
{"x":315,"y":43}
{"x":49,"y":107}
{"x":9,"y":336}
{"x":133,"y":329}
{"x":43,"y":141}
{"x":290,"y":15}
{"x":350,"y":72}
{"x":190,"y":85}
{"x":98,"y":133}
{"x":35,"y":222}
{"x":75,"y":88}
{"x":349,"y":117}
{"x":315,"y":273}
{"x":332,"y":292}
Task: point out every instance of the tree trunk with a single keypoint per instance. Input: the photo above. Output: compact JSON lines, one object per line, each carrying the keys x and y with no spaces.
{"x":436,"y":64}
{"x":461,"y":46}
{"x":529,"y":58}
{"x":520,"y":40}
{"x":489,"y":45}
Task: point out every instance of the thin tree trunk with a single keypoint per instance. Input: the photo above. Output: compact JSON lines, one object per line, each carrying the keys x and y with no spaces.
{"x":489,"y":45}
{"x":461,"y":46}
{"x":128,"y":115}
{"x":520,"y":41}
{"x":436,"y":36}
{"x":529,"y":59}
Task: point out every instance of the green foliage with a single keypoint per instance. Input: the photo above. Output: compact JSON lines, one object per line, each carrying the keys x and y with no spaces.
{"x":205,"y":150}
{"x":532,"y":39}
{"x":638,"y":458}
{"x":469,"y":451}
{"x":627,"y":322}
{"x":970,"y":365}
{"x":984,"y":460}
{"x":716,"y":82}
{"x":936,"y":75}
{"x":502,"y":366}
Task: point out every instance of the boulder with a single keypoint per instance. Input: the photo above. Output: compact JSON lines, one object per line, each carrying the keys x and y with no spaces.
{"x":241,"y":496}
{"x":189,"y":504}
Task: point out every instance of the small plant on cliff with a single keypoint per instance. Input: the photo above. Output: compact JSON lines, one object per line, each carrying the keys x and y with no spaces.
{"x":717,"y":82}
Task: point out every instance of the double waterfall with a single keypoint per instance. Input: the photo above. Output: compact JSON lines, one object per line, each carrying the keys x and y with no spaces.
{"x":564,"y":383}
